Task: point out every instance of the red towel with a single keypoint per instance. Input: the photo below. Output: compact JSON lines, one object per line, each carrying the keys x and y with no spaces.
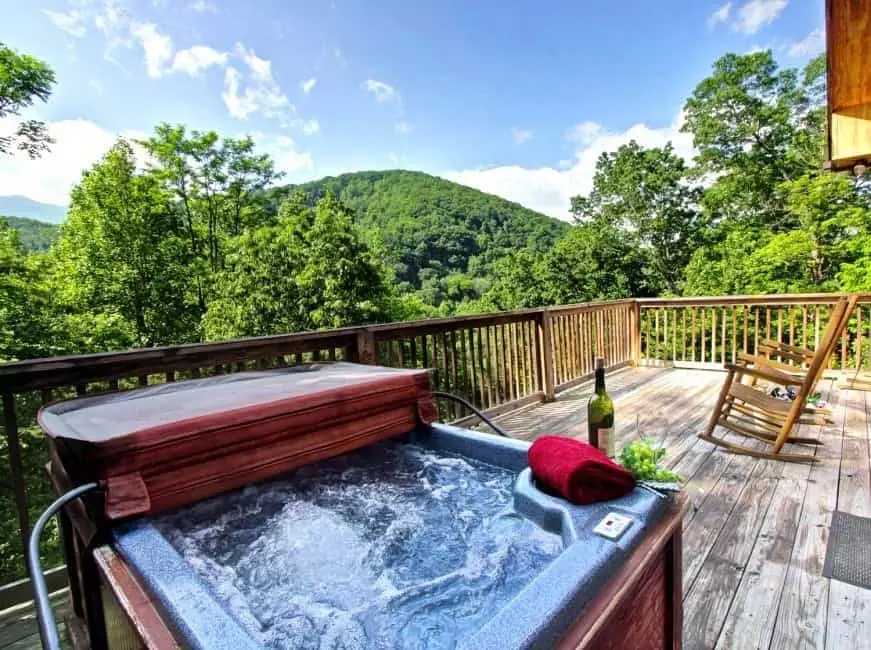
{"x":577,"y":471}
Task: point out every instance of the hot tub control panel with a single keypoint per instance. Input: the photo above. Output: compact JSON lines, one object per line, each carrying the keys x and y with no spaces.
{"x":613,"y":525}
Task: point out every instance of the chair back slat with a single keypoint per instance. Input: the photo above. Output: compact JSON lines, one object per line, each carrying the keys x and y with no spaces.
{"x":835,"y":328}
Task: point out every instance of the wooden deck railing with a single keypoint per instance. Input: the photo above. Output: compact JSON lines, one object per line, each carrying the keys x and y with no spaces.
{"x":497,"y":361}
{"x":708,"y":332}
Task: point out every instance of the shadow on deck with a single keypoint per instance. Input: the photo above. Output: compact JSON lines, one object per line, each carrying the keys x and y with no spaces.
{"x":755,"y":538}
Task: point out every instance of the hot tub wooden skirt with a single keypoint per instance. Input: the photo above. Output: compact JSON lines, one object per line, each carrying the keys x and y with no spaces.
{"x":641,"y":607}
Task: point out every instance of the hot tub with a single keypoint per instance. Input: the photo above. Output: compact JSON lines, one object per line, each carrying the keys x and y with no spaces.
{"x":433,"y":538}
{"x":438,"y":541}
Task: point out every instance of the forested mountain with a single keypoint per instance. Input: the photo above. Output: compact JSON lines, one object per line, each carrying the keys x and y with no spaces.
{"x":21,"y":206}
{"x":437,"y":234}
{"x":34,"y":235}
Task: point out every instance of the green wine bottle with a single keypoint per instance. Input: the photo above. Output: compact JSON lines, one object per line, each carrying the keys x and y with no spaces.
{"x":600,"y":414}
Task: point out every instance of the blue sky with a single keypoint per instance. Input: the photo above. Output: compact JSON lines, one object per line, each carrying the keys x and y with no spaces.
{"x":516,"y":98}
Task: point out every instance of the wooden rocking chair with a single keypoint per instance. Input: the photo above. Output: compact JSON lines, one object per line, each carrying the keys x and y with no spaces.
{"x":743,"y":409}
{"x":794,"y":375}
{"x":802,"y":356}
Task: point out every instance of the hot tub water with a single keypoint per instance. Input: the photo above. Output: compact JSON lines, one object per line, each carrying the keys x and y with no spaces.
{"x":391,"y":546}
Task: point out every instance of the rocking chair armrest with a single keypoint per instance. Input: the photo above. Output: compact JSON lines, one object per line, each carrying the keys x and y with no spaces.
{"x":768,"y":374}
{"x":786,"y":347}
{"x":769,"y":351}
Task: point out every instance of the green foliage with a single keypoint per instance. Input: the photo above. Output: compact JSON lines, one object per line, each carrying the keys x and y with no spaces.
{"x":643,"y":458}
{"x":755,"y":126}
{"x":122,"y":253}
{"x":23,"y":80}
{"x":310,"y":270}
{"x":431,"y":229}
{"x":25,"y":324}
{"x":645,"y":197}
{"x":34,"y":235}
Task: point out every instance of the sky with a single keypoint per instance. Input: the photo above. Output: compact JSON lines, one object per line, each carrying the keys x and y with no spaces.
{"x":514,"y":98}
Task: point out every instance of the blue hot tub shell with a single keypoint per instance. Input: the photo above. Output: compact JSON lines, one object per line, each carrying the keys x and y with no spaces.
{"x":537,"y":617}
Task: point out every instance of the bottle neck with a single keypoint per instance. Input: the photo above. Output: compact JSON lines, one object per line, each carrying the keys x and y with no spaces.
{"x":600,"y":381}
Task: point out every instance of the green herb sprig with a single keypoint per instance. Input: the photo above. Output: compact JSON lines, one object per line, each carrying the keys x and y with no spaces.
{"x":642,"y":458}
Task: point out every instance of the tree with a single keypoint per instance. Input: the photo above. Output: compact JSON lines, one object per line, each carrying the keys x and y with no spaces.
{"x":646,"y":197}
{"x":25,"y":317}
{"x":593,"y":262}
{"x":518,"y":280}
{"x":218,"y":186}
{"x":755,"y":126}
{"x":309,"y":270}
{"x":23,"y":80}
{"x":122,"y":256}
{"x":824,"y":252}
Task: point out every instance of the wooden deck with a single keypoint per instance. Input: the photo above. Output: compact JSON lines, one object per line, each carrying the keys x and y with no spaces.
{"x":755,"y":538}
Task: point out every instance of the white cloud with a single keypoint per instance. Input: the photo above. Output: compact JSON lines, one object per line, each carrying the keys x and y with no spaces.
{"x":78,"y":144}
{"x":384,"y":93}
{"x":548,"y":189}
{"x":203,"y":6}
{"x":755,"y":14}
{"x":721,"y":15}
{"x":95,"y":84}
{"x":256,"y":92}
{"x":308,"y":127}
{"x":71,"y":23}
{"x":195,"y":59}
{"x":307,"y":84}
{"x":812,"y":44}
{"x":255,"y":97}
{"x":298,"y":165}
{"x":261,"y":69}
{"x":157,"y":48}
{"x":113,"y":20}
{"x":403,"y":127}
{"x":520,"y":135}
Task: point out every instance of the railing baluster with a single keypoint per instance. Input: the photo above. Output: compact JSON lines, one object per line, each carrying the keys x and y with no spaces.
{"x":734,"y":333}
{"x":455,"y":380}
{"x":13,"y":445}
{"x":414,"y":351}
{"x":745,"y":310}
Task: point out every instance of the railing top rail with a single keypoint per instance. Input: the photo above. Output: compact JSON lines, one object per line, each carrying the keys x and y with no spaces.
{"x":589,"y":306}
{"x":763,"y":299}
{"x":52,"y":372}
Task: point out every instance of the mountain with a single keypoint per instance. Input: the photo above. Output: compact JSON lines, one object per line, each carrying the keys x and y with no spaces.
{"x":431,"y":228}
{"x":21,"y":206}
{"x":35,"y":235}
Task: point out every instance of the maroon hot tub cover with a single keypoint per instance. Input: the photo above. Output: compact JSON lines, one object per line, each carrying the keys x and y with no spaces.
{"x":165,"y":446}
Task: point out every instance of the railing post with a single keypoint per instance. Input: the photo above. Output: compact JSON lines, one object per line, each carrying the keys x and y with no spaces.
{"x":10,"y":424}
{"x":365,"y":349}
{"x":544,"y":353}
{"x":635,"y":322}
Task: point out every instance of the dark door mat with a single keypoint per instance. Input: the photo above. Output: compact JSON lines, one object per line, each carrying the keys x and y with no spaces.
{"x":847,"y":557}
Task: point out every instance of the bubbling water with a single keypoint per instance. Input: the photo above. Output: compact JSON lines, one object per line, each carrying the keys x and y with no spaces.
{"x":391,"y":546}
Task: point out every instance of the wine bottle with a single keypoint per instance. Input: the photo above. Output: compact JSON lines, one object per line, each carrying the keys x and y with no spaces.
{"x":600,"y":414}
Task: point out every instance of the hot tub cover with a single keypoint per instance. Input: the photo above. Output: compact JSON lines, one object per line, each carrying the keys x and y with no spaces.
{"x":161,"y":447}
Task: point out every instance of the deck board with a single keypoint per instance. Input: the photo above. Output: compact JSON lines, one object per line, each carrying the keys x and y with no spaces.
{"x":755,"y":538}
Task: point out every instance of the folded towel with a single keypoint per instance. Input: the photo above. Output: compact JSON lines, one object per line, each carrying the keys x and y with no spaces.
{"x":577,"y":471}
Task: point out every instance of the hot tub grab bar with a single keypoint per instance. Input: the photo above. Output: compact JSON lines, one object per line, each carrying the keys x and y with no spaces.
{"x":474,"y":410}
{"x":45,"y":617}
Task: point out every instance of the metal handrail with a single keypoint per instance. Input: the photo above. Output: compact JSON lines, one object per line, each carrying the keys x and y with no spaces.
{"x":45,"y":617}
